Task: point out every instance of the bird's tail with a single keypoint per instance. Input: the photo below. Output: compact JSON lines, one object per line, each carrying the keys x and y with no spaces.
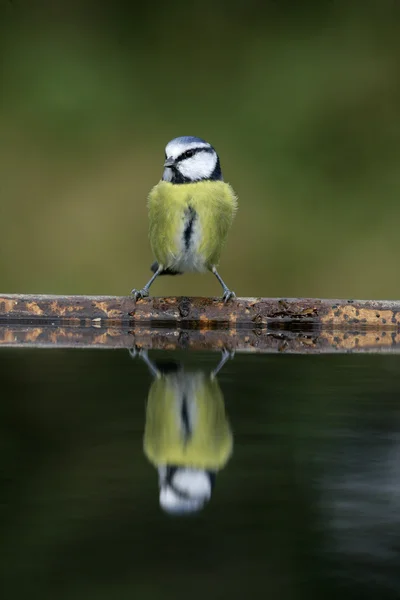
{"x":154,"y":268}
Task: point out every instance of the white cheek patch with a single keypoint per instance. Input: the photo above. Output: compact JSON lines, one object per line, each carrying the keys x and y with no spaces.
{"x":199,"y":166}
{"x":193,"y":482}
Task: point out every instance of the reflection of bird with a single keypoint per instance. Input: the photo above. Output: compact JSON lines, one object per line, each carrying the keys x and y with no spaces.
{"x":190,"y":212}
{"x":187,"y":435}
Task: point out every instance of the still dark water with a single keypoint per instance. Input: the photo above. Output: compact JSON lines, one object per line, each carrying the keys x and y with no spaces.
{"x":296,"y":492}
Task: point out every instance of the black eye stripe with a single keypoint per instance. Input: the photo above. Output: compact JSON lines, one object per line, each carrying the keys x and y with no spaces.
{"x":194,"y":151}
{"x":177,"y":178}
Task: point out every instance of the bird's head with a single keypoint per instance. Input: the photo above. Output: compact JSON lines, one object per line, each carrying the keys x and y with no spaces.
{"x":189,"y":159}
{"x":183,"y":490}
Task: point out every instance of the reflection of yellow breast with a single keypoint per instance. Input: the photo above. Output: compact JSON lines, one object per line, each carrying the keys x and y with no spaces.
{"x":166,"y":440}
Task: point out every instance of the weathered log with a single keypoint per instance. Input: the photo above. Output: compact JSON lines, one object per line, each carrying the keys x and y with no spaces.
{"x":86,"y":311}
{"x":257,"y":340}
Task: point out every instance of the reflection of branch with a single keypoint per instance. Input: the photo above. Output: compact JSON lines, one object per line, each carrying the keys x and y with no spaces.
{"x":205,"y":313}
{"x":311,"y":340}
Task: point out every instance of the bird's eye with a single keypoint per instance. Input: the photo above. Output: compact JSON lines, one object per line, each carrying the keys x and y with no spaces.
{"x":188,"y":153}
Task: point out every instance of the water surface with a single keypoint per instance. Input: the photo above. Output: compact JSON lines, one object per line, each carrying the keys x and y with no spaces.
{"x":303,"y":453}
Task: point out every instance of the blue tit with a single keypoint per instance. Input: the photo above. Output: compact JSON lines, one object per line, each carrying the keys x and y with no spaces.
{"x":190,"y":212}
{"x":187,"y":434}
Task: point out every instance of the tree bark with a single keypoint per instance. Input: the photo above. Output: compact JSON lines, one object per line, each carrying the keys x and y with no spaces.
{"x":204,"y":313}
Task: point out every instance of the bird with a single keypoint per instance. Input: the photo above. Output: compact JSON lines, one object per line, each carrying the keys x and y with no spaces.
{"x":187,"y":436}
{"x":190,"y":213}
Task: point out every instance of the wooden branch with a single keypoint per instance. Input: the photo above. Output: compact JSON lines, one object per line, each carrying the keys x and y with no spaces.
{"x":86,"y":311}
{"x":257,"y":340}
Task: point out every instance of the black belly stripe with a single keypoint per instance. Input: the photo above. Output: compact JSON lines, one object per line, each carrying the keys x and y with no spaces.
{"x":187,"y":430}
{"x":191,"y":215}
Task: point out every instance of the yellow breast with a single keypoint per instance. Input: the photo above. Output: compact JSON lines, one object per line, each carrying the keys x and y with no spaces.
{"x":189,"y":223}
{"x":210,"y":442}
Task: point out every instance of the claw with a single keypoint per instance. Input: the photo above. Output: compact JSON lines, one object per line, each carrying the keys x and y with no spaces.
{"x":228,"y":294}
{"x":136,"y":351}
{"x":138,"y":294}
{"x":133,"y":352}
{"x":225,"y":355}
{"x":228,"y":354}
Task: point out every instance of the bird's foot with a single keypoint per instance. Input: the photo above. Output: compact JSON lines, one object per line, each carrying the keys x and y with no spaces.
{"x":227,"y":353}
{"x":133,"y":352}
{"x":136,"y":351}
{"x":228,"y":295}
{"x":139,"y":294}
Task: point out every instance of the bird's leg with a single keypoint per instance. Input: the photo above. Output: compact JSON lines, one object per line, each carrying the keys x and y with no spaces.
{"x":137,"y":294}
{"x":225,"y":356}
{"x":228,"y":294}
{"x":145,"y":357}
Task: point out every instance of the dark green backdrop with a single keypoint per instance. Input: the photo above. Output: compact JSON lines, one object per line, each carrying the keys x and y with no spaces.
{"x":301,"y":99}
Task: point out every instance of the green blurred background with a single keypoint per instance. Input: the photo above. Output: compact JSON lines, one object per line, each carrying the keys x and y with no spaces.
{"x":301,"y":100}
